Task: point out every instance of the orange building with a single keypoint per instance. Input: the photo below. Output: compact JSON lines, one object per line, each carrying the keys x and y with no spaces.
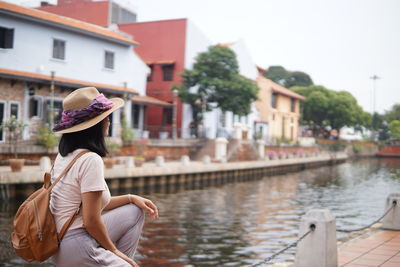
{"x":280,"y":108}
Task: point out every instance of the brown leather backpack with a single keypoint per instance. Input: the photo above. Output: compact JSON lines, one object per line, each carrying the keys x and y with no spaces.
{"x":35,"y":235}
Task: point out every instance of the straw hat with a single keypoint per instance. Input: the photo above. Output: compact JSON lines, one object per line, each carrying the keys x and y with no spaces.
{"x":82,"y":98}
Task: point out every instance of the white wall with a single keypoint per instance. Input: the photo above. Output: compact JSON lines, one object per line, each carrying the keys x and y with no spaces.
{"x":247,"y":67}
{"x":196,"y":42}
{"x":32,"y":52}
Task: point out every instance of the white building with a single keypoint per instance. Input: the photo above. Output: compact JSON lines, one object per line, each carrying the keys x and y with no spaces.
{"x":79,"y":54}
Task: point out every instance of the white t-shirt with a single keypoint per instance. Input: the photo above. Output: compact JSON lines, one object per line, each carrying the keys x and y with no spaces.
{"x":86,"y":175}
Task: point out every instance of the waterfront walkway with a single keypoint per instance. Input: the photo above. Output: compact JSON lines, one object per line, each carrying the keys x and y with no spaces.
{"x":379,"y":249}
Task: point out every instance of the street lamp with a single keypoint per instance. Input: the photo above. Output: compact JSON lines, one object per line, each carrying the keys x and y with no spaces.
{"x":52,"y":99}
{"x":373,"y":78}
{"x":174,"y":130}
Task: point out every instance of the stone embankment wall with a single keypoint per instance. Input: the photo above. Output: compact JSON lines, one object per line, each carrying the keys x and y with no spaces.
{"x":352,"y":148}
{"x":175,"y":149}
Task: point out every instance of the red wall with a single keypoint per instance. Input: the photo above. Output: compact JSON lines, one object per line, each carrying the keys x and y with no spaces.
{"x":92,"y":12}
{"x":160,"y":41}
{"x":390,"y":151}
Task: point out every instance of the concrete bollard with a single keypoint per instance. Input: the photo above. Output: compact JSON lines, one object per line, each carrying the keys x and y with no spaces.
{"x":159,"y":161}
{"x":392,"y":220}
{"x":206,"y":159}
{"x":221,"y":148}
{"x":45,"y":164}
{"x":185,"y":160}
{"x":261,"y":148}
{"x":319,"y":248}
{"x":129,"y":162}
{"x":237,"y":133}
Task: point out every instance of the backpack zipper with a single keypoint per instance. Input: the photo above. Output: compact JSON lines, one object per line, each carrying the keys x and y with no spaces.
{"x":38,"y":221}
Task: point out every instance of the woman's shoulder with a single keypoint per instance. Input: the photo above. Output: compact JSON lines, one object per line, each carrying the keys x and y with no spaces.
{"x":89,"y":156}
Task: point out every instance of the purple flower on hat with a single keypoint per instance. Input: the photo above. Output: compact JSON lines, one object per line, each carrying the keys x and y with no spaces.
{"x":71,"y":118}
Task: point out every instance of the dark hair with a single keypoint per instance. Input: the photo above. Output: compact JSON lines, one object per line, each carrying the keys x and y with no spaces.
{"x":91,"y":138}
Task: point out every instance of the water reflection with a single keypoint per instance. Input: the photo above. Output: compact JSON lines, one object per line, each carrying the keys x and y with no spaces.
{"x":241,"y":223}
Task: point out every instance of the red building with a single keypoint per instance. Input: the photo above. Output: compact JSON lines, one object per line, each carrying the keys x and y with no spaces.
{"x":163,"y":50}
{"x":168,"y":47}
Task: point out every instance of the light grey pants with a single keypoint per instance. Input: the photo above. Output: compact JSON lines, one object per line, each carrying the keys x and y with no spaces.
{"x":124,"y":225}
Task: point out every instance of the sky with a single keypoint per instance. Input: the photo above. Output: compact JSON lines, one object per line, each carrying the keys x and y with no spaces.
{"x":339,"y":43}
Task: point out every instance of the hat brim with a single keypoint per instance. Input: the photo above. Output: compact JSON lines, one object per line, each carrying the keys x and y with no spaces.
{"x":117,"y":103}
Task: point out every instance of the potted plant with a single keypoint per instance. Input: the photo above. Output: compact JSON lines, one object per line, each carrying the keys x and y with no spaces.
{"x":127,"y":134}
{"x":14,"y":128}
{"x":113,"y":148}
{"x":139,"y":155}
{"x":47,"y":138}
{"x":272,"y":154}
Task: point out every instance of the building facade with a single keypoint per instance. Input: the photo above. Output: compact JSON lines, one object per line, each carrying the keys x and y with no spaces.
{"x":167,"y":47}
{"x":279,"y":108}
{"x":40,"y":49}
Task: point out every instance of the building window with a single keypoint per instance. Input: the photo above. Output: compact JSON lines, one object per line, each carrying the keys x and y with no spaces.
{"x":168,"y":72}
{"x":14,"y":109}
{"x":109,"y":60}
{"x":222,"y":119}
{"x":35,"y":107}
{"x":2,"y":118}
{"x":274,"y":100}
{"x":150,"y":76}
{"x":293,"y":105}
{"x":6,"y":38}
{"x":120,"y":15}
{"x":167,"y":116}
{"x":135,"y":115}
{"x":57,"y":104}
{"x":58,"y":49}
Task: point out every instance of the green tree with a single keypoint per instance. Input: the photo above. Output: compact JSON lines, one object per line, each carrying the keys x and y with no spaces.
{"x":394,"y":129}
{"x":215,"y":81}
{"x":287,"y":78}
{"x":393,"y":113}
{"x":343,"y":110}
{"x":324,"y":107}
{"x":377,"y":121}
{"x":364,"y":120}
{"x":315,"y":107}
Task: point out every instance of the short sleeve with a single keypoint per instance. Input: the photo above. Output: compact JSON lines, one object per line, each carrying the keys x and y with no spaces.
{"x":91,"y":174}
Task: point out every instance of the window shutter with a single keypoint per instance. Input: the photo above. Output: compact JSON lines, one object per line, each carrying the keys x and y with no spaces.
{"x":8,"y":38}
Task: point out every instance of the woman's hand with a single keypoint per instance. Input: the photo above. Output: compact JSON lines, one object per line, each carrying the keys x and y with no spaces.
{"x":125,"y":258}
{"x":145,"y":204}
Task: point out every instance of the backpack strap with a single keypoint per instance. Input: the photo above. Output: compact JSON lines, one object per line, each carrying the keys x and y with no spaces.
{"x":68,"y":223}
{"x":70,"y":220}
{"x":67,"y":168}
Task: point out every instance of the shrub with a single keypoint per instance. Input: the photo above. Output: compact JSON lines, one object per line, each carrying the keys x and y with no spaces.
{"x":127,"y":134}
{"x":356,"y":148}
{"x":46,"y":137}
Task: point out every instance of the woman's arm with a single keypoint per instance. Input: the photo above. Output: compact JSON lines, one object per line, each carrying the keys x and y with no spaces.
{"x":117,"y":201}
{"x":92,"y":221}
{"x":143,"y":203}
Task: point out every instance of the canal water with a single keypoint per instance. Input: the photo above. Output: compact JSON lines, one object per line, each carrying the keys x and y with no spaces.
{"x":241,"y":223}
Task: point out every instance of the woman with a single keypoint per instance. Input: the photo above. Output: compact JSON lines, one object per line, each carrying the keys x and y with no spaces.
{"x":106,"y":231}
